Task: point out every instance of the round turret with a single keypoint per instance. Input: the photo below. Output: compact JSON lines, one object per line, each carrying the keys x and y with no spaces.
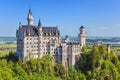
{"x":82,"y":36}
{"x":82,"y":29}
{"x":66,"y":38}
{"x":30,"y":18}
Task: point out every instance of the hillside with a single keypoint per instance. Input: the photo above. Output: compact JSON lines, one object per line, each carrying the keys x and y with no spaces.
{"x":96,"y":64}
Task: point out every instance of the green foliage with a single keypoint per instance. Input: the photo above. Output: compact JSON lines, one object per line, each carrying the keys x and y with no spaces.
{"x":94,"y":57}
{"x":75,"y":75}
{"x":20,"y":73}
{"x":114,"y":58}
{"x":6,"y":73}
{"x":109,"y":68}
{"x":60,"y":71}
{"x":84,"y":49}
{"x":104,"y":52}
{"x":96,"y":64}
{"x":101,"y":65}
{"x":35,"y":69}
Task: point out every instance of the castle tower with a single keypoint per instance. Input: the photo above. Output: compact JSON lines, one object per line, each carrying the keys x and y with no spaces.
{"x":66,"y":39}
{"x":39,"y":39}
{"x":82,"y":36}
{"x":108,"y":48}
{"x":30,"y":18}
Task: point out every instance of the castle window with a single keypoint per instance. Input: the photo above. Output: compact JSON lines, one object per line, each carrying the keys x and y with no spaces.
{"x":54,"y":34}
{"x":48,"y":34}
{"x":45,"y":34}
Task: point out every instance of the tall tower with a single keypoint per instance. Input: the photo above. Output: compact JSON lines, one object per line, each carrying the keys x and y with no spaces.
{"x":82,"y":36}
{"x":30,"y":18}
{"x":108,"y":48}
{"x":40,"y":39}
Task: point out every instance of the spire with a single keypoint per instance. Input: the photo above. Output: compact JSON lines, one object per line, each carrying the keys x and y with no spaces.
{"x":20,"y":24}
{"x":39,"y":23}
{"x":30,"y":12}
{"x":30,"y":17}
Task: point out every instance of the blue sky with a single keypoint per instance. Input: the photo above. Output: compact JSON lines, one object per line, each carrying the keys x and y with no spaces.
{"x":100,"y":17}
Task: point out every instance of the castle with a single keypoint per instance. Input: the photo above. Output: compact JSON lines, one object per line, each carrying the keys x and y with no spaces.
{"x":38,"y":41}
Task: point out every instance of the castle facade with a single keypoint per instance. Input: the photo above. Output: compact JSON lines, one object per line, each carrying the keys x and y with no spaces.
{"x":38,"y":41}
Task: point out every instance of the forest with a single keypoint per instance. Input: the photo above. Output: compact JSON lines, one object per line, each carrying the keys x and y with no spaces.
{"x":94,"y":64}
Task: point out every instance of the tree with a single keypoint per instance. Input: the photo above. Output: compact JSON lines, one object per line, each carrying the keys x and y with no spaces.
{"x":20,"y":73}
{"x":60,"y":71}
{"x":108,"y":68}
{"x":103,"y":52}
{"x":75,"y":75}
{"x":94,"y":58}
{"x":114,"y":58}
{"x":84,"y":49}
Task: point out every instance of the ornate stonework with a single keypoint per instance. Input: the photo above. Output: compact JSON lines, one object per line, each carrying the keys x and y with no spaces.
{"x":37,"y":41}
